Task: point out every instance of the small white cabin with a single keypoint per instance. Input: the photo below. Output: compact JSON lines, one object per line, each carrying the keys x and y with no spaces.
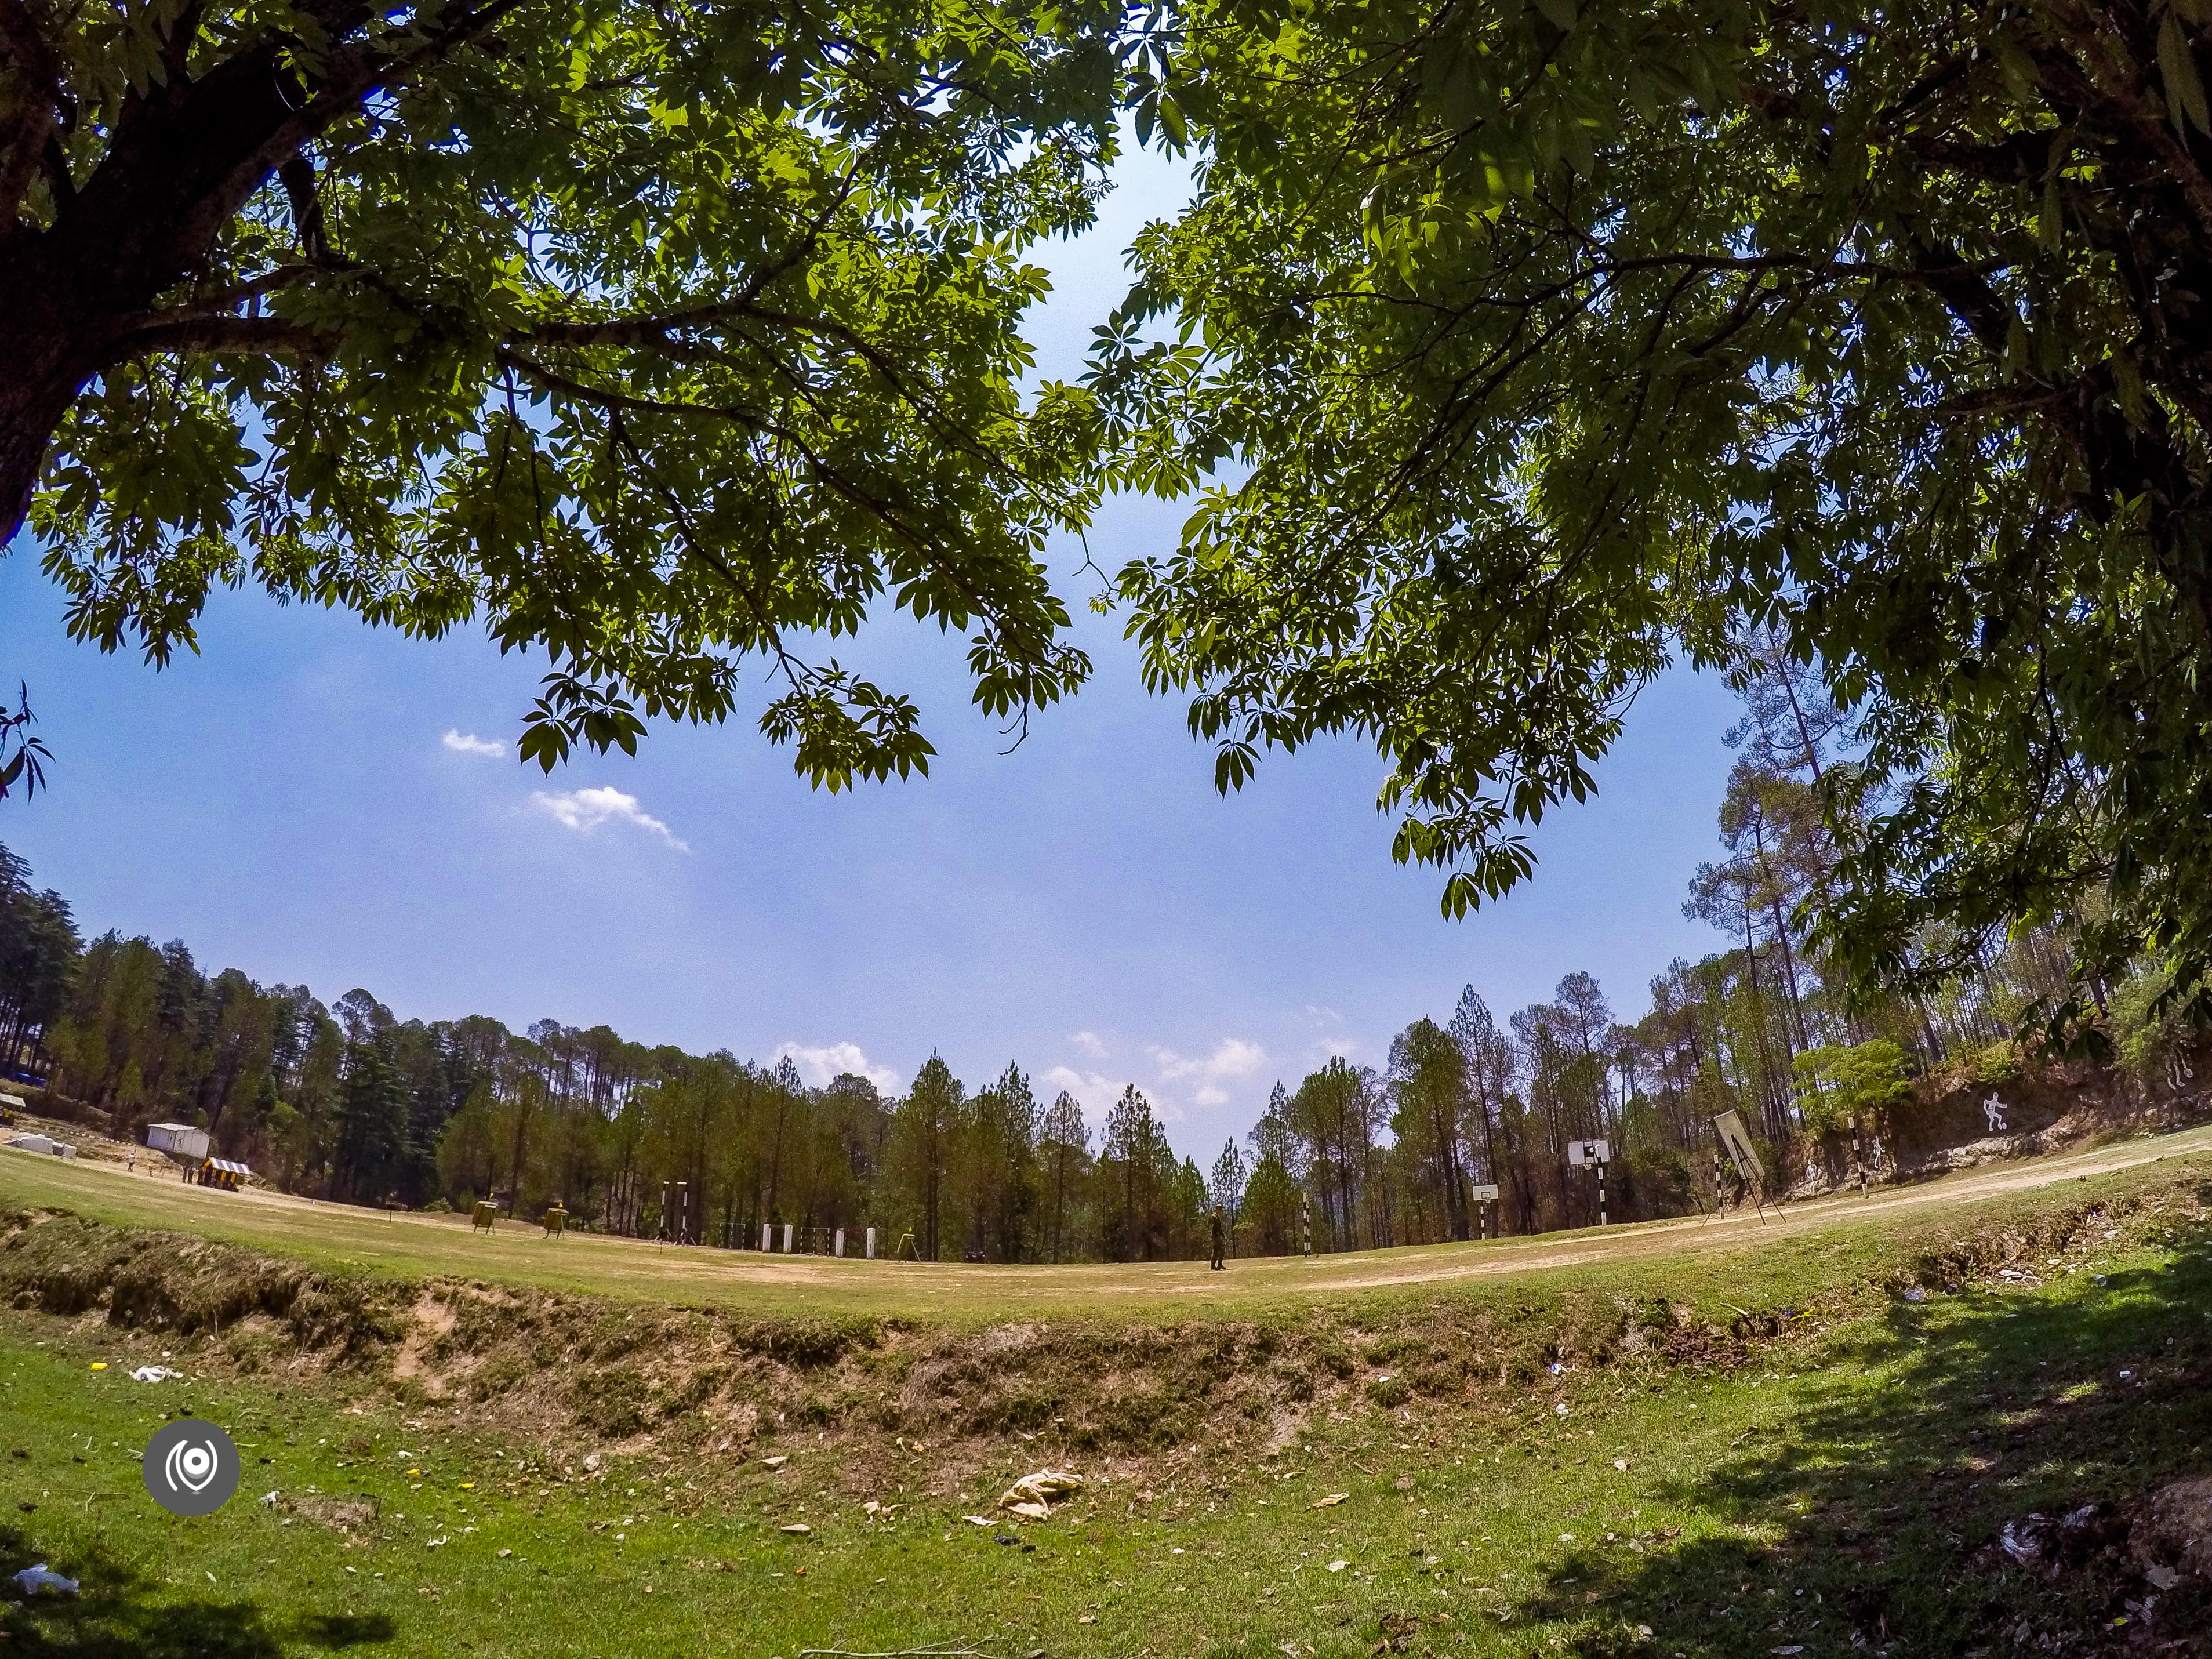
{"x":43,"y":1144}
{"x":179,"y":1141}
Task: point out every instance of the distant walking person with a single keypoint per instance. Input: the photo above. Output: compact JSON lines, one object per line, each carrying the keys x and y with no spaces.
{"x":1219,"y":1230}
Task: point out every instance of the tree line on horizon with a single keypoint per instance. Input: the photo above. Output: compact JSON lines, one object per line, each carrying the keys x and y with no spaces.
{"x":346,"y":1102}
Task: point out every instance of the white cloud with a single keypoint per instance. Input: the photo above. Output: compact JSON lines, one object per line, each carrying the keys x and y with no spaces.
{"x":585,"y":810}
{"x":468,"y":742}
{"x":1232,"y":1057}
{"x":1196,"y":1080}
{"x":817,"y":1067}
{"x":1097,"y":1092}
{"x":1322,"y":1049}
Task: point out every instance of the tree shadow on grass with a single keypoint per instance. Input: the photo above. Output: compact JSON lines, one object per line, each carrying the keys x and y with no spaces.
{"x":339,"y":1630}
{"x":122,"y":1614}
{"x":1868,"y":1520}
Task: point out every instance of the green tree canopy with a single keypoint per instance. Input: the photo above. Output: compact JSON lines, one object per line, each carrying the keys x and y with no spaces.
{"x":655,"y":337}
{"x":1836,"y":1085}
{"x":1520,"y":345}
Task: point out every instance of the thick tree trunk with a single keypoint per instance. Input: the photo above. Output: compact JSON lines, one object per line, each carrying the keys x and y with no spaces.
{"x":40,"y":375}
{"x":77,"y":295}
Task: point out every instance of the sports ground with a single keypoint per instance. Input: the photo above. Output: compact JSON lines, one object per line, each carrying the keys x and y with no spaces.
{"x":1801,"y":1436}
{"x":348,"y":1238}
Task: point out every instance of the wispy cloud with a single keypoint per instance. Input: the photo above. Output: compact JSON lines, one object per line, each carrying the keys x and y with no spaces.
{"x":585,"y":810}
{"x":1322,"y":1049}
{"x":468,"y":742}
{"x":1088,"y":1042}
{"x":817,"y":1067}
{"x":1232,"y":1057}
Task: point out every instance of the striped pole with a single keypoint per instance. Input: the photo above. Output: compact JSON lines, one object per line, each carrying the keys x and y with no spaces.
{"x":1600,"y":1192}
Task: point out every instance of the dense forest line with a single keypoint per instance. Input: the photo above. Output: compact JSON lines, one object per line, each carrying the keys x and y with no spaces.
{"x":346,"y":1102}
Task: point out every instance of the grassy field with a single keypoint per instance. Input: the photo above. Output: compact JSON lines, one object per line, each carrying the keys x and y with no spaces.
{"x":1846,"y":1488}
{"x":1828,"y":1480}
{"x":1743,"y":1249}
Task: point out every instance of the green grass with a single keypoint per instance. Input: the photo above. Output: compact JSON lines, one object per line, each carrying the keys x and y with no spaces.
{"x":1847,"y":1478}
{"x":1805,"y":1244}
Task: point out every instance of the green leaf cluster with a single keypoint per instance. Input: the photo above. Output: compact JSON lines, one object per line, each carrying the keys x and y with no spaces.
{"x":1834,"y":1086}
{"x":651,"y":338}
{"x":1518,"y":349}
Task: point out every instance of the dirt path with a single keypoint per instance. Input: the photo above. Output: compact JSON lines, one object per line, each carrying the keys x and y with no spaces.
{"x":414,"y":1243}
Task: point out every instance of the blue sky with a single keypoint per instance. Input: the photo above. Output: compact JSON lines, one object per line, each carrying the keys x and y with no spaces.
{"x":309,"y":800}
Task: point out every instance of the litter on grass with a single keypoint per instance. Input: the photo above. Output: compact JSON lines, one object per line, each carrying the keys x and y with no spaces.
{"x":798,"y":1528}
{"x":156,"y":1373}
{"x":42,"y":1580}
{"x":1033,"y":1496}
{"x":1329,"y":1501}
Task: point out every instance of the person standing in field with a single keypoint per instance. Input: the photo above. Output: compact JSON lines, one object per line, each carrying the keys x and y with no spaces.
{"x":1219,"y":1230}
